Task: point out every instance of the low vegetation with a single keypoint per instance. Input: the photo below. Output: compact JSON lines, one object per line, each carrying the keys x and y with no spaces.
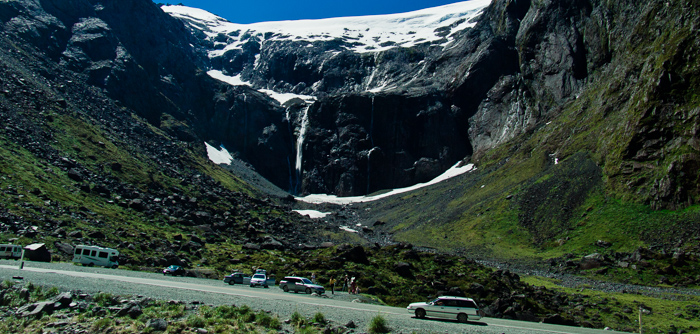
{"x":104,"y":313}
{"x":378,"y":325}
{"x":661,"y":312}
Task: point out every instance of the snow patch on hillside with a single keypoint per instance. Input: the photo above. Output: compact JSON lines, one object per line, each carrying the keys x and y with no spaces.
{"x":282,"y":98}
{"x":218,"y":156}
{"x":313,"y":214}
{"x":323,"y":198}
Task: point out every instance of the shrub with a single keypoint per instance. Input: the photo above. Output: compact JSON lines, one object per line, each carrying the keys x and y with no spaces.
{"x":297,"y":319}
{"x":226,"y":312}
{"x":319,"y":318}
{"x":378,"y":325}
{"x":267,"y":321}
{"x":104,"y":299}
{"x":102,"y":324}
{"x":196,"y":321}
{"x":206,"y":311}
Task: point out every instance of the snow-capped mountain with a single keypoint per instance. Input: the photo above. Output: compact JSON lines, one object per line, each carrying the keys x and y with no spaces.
{"x":243,"y":52}
{"x":360,"y":34}
{"x":348,"y":88}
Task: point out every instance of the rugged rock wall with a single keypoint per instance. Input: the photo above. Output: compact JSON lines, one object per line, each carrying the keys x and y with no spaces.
{"x":396,"y":117}
{"x":618,"y":76}
{"x":382,"y":119}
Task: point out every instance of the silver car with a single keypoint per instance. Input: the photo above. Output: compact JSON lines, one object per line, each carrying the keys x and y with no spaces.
{"x":300,"y":284}
{"x":456,"y":308}
{"x":259,"y":279}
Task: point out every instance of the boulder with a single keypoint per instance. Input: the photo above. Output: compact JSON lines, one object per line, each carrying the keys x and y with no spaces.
{"x":75,"y":175}
{"x":157,"y":324}
{"x":355,"y":254}
{"x":271,"y":243}
{"x":97,"y":235}
{"x":35,"y":309}
{"x":64,"y":248}
{"x":404,"y":269}
{"x":557,"y":319}
{"x":251,"y":246}
{"x":137,"y":204}
{"x":132,"y":309}
{"x":592,"y":261}
{"x":75,"y":234}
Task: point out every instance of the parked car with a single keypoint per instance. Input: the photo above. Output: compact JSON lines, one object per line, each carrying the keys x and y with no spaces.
{"x":457,"y":308}
{"x":174,"y":271}
{"x":303,"y":284}
{"x":237,"y":277}
{"x":259,"y":280}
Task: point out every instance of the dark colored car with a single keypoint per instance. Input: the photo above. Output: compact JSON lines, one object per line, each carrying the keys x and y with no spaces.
{"x":237,"y":278}
{"x":174,"y":271}
{"x":300,"y":284}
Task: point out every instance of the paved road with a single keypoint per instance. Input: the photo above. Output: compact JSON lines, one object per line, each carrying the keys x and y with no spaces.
{"x":337,"y":308}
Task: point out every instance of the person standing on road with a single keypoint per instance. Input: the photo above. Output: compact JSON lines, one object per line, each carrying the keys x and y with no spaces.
{"x":353,"y":286}
{"x":313,"y":278}
{"x":345,"y":284}
{"x":332,"y":284}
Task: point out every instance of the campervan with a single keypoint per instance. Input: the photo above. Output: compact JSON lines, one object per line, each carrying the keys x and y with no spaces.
{"x":10,"y":251}
{"x":96,"y":256}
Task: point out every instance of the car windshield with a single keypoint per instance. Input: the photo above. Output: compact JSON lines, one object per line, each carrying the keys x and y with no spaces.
{"x":261,"y":276}
{"x":306,"y":281}
{"x":174,"y":267}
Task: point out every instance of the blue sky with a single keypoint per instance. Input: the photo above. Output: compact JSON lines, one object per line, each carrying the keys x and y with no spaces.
{"x":250,"y":11}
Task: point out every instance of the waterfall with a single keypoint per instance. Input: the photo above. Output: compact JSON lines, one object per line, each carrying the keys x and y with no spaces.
{"x":371,"y":139}
{"x":245,"y":123}
{"x":292,"y":174}
{"x":300,"y":143}
{"x":368,"y":170}
{"x":371,"y":123}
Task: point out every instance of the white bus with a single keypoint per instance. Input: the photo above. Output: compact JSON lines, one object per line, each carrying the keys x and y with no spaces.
{"x":10,"y":251}
{"x":96,"y":256}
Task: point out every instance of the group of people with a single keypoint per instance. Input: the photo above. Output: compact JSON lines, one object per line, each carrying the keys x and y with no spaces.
{"x":349,"y":285}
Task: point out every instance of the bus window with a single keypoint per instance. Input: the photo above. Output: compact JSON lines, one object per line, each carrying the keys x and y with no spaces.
{"x":2,"y":249}
{"x":86,"y":252}
{"x":102,"y":255}
{"x":78,"y":251}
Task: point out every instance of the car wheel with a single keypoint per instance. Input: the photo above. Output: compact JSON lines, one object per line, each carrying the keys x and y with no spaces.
{"x":231,"y":282}
{"x":266,"y":287}
{"x":285,"y":288}
{"x":462,"y":317}
{"x":308,"y":291}
{"x":251,"y":285}
{"x":420,"y":313}
{"x":91,"y":264}
{"x":115,"y":266}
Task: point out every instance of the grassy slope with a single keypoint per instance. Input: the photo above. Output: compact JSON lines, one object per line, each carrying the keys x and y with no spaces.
{"x":486,"y":213}
{"x":45,"y":195}
{"x":662,"y":312}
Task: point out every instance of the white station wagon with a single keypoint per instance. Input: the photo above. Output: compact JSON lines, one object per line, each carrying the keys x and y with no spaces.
{"x":455,"y":308}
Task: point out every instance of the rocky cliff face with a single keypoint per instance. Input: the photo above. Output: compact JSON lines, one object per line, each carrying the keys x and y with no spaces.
{"x":387,"y":113}
{"x":378,"y":108}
